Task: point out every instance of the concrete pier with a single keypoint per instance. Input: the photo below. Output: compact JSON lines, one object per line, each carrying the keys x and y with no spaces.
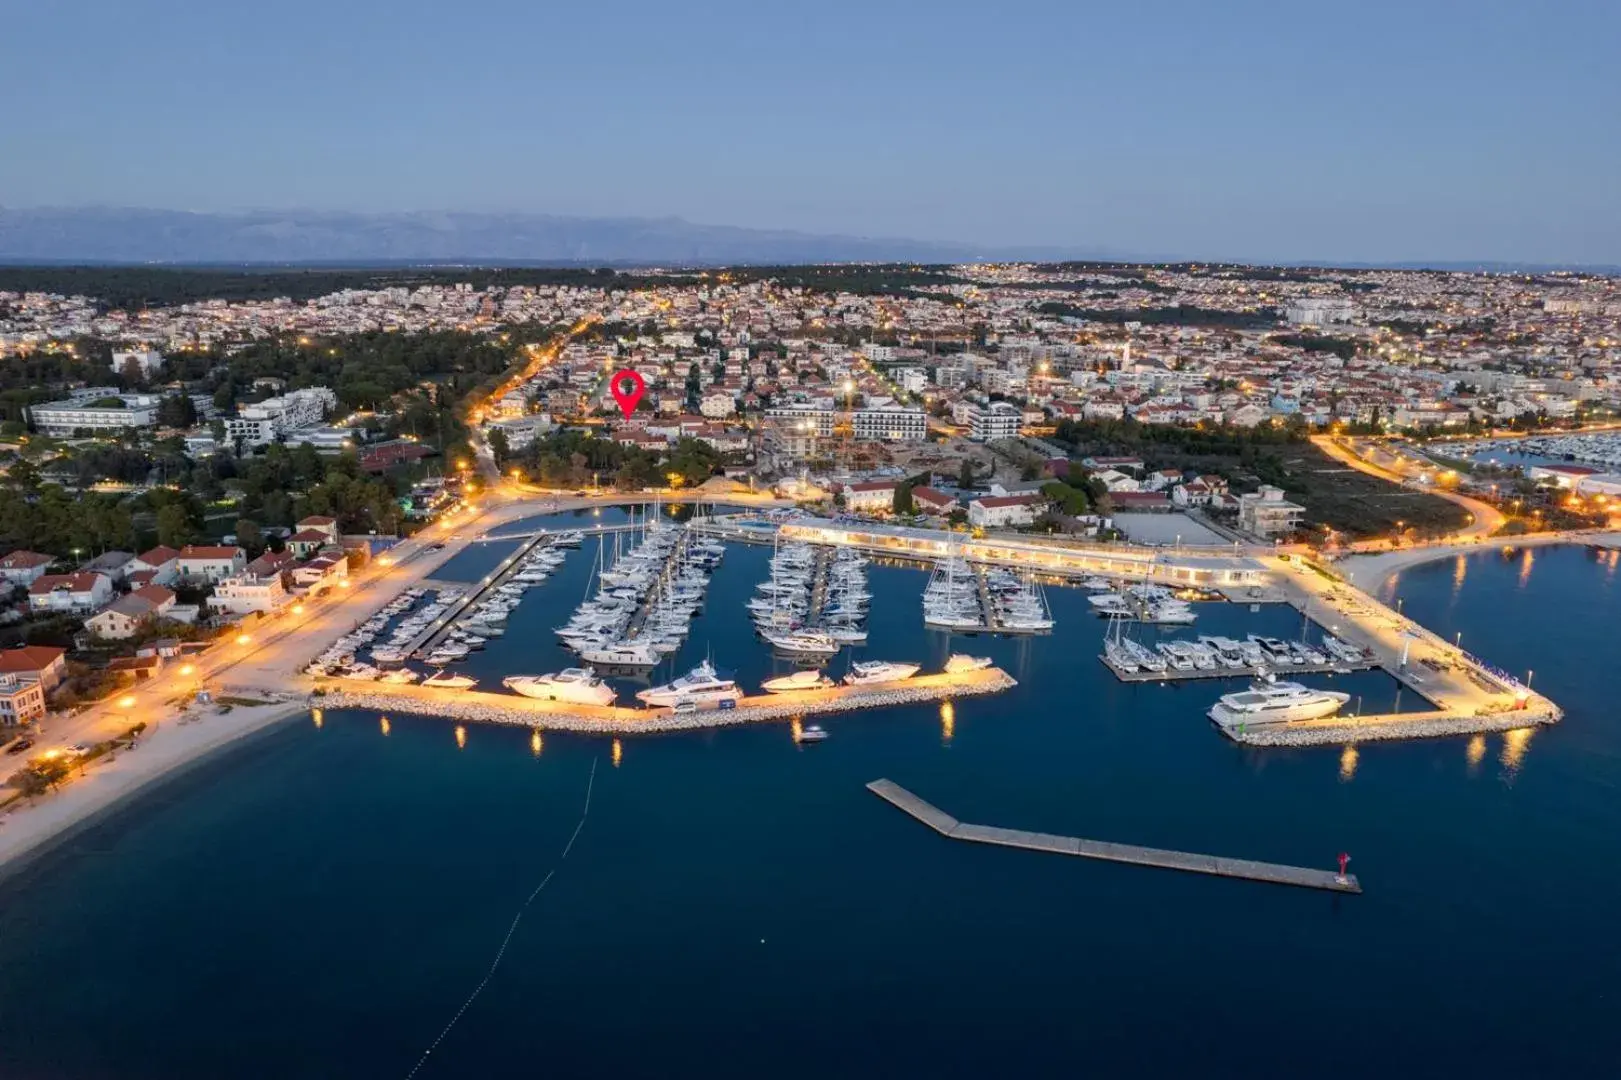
{"x":1217,"y":866}
{"x":424,"y":643}
{"x":1282,"y":672}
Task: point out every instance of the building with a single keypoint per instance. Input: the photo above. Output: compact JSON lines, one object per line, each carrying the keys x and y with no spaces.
{"x":807,"y":418}
{"x":46,"y":664}
{"x":22,"y":699}
{"x":245,"y":593}
{"x":717,"y":405}
{"x":148,"y":360}
{"x":891,"y":423}
{"x":1267,"y":513}
{"x":1002,"y":511}
{"x":74,"y":594}
{"x":322,"y":570}
{"x":161,"y":563}
{"x":872,"y":497}
{"x":928,"y":500}
{"x":998,"y":420}
{"x":115,"y":564}
{"x":209,"y":563}
{"x":326,"y":526}
{"x":521,"y":431}
{"x":114,"y":412}
{"x":24,"y":567}
{"x":1319,"y":311}
{"x":262,"y":422}
{"x":125,"y":617}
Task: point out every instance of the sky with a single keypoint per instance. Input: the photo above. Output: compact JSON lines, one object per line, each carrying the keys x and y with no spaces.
{"x":1367,"y":131}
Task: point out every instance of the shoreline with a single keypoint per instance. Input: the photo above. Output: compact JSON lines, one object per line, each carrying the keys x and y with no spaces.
{"x":1371,"y":571}
{"x":30,"y":830}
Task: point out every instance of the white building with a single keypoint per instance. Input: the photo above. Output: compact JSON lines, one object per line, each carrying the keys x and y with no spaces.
{"x":261,"y":422}
{"x":808,"y":418}
{"x":520,"y":431}
{"x":1320,"y":311}
{"x":70,"y":593}
{"x":68,"y":417}
{"x":1267,"y":513}
{"x":22,"y":699}
{"x":891,"y":423}
{"x":999,"y":420}
{"x":1001,"y":511}
{"x":914,"y":380}
{"x":872,"y":497}
{"x":210,"y":562}
{"x":149,"y":360}
{"x":247,"y":593}
{"x":717,"y":405}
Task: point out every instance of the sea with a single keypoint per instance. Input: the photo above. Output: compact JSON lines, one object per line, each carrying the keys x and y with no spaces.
{"x":373,"y":896}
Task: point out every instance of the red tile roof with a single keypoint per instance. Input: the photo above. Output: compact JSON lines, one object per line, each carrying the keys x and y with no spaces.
{"x":29,"y":658}
{"x":25,"y":560}
{"x":209,"y":551}
{"x":71,"y":582}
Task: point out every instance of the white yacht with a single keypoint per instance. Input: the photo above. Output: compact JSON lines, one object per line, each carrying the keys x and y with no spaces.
{"x":400,"y":676}
{"x":811,"y":733}
{"x":447,"y":681}
{"x":703,"y":685}
{"x":865,"y":672}
{"x":1276,"y":703}
{"x":798,"y":680}
{"x":802,"y":642}
{"x":621,"y":654}
{"x":959,"y":663}
{"x":575,"y":685}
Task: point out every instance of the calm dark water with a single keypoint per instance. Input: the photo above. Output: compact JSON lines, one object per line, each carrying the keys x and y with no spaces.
{"x":320,"y":901}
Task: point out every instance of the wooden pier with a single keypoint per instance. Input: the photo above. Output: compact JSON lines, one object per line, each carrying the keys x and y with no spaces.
{"x":1248,"y":869}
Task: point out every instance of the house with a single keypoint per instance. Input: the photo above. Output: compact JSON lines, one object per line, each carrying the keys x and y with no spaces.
{"x":325,"y":525}
{"x":1267,"y":513}
{"x":933,"y":501}
{"x":126,"y":615}
{"x":24,"y":567}
{"x":210,"y":563}
{"x":115,"y":564}
{"x":871,"y":497}
{"x":999,"y":511}
{"x":22,"y":699}
{"x":161,"y":562}
{"x":271,"y":562}
{"x":70,"y":593}
{"x":306,"y":542}
{"x":321,"y":570}
{"x":1192,"y":493}
{"x":1160,"y":479}
{"x":244,"y":593}
{"x":46,"y":664}
{"x":1115,"y":480}
{"x":142,"y":666}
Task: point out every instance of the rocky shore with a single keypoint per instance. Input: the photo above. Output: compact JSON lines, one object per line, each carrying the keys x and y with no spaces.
{"x":1421,"y":726}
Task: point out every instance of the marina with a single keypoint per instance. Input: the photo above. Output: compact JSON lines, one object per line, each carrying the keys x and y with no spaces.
{"x":1247,"y":869}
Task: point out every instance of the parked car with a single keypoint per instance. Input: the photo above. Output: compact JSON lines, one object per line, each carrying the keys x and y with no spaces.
{"x":19,"y":746}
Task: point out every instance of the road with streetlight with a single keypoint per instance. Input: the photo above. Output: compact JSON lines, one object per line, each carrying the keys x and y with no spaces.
{"x":1484,"y":518}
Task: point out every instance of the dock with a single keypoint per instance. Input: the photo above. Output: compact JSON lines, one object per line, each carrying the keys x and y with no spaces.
{"x":1172,"y":675}
{"x":424,"y":643}
{"x":1214,"y":865}
{"x":480,"y":706}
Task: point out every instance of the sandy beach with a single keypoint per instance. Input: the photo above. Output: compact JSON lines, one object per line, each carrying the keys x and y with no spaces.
{"x":175,"y":744}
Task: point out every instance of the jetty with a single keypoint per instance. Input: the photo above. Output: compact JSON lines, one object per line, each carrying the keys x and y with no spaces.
{"x":424,"y":643}
{"x":1170,"y":674}
{"x":1215,"y":865}
{"x":499,"y":708}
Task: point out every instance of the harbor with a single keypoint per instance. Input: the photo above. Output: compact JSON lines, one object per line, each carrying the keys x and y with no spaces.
{"x":1217,"y":866}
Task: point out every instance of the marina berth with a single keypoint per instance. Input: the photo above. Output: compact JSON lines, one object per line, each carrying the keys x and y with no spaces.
{"x":1268,"y":702}
{"x":571,"y":684}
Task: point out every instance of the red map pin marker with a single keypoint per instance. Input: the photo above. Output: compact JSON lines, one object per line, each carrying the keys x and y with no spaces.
{"x":627,"y":388}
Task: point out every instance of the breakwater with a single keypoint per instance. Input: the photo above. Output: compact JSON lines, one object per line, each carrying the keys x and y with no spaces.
{"x":511,"y":710}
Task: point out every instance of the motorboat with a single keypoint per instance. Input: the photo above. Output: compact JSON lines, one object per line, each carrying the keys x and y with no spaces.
{"x":802,"y":642}
{"x":799,"y":680}
{"x":702,"y":685}
{"x":575,"y":685}
{"x":867,"y":672}
{"x":1268,"y":702}
{"x":400,"y":675}
{"x":446,"y":680}
{"x":621,"y":654}
{"x":961,"y":663}
{"x":811,"y":733}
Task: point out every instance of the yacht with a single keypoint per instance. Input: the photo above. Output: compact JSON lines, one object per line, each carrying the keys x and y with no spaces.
{"x":960,"y":663}
{"x":802,"y":642}
{"x":1120,"y":656}
{"x":1275,"y":703}
{"x":447,"y":681}
{"x":866,"y":672}
{"x":575,"y":685}
{"x":798,"y":680}
{"x":811,"y":733}
{"x":703,"y":685}
{"x":400,"y":675}
{"x":621,"y":654}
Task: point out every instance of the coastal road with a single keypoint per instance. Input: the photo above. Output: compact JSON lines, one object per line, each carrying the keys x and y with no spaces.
{"x":1485,"y":519}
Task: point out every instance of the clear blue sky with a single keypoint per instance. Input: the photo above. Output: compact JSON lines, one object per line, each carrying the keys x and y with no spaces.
{"x":1356,"y":131}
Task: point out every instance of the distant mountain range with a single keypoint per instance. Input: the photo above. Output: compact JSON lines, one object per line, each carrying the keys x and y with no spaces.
{"x":121,"y":235}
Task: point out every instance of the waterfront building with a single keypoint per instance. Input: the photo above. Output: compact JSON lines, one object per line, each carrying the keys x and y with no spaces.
{"x":1003,"y":511}
{"x":22,"y":699}
{"x":874,"y":496}
{"x":46,"y":664}
{"x":1267,"y":513}
{"x":246,"y":593}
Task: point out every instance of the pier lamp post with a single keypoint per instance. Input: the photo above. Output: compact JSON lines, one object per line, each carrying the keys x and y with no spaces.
{"x":1457,"y":641}
{"x":1528,"y":674}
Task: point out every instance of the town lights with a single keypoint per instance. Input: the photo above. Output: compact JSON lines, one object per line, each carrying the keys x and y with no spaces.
{"x":127,"y":701}
{"x":243,"y":639}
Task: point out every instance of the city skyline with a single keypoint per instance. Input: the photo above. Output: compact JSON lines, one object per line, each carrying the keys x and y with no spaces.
{"x":1257,"y":134}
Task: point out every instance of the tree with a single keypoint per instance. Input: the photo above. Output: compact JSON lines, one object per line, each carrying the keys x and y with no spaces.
{"x":174,"y":526}
{"x":248,"y":534}
{"x":902,"y":503}
{"x":177,"y":411}
{"x":965,"y":475}
{"x":131,"y":373}
{"x":499,"y":447}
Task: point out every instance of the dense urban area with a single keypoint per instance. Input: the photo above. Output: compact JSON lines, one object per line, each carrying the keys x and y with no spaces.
{"x":186,"y":452}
